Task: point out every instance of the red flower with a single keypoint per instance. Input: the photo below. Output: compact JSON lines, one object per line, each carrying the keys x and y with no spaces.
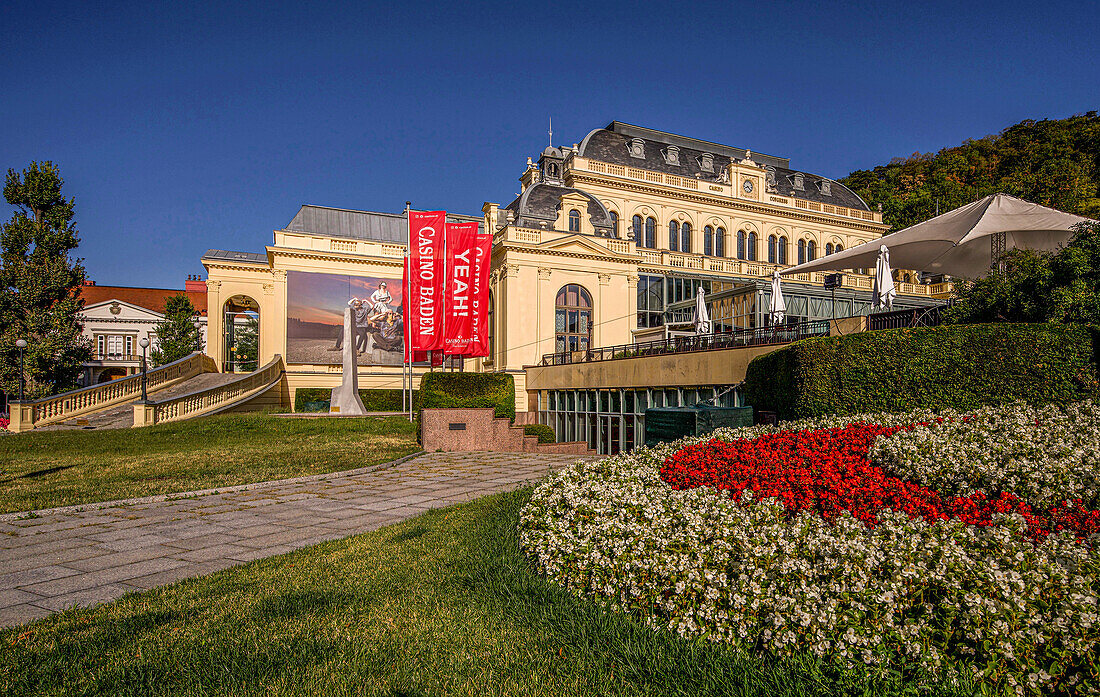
{"x":828,"y":471}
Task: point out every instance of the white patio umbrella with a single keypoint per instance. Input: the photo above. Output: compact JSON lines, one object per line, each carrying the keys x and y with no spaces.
{"x":960,"y":242}
{"x":882,"y":296}
{"x":778,"y":307}
{"x":702,"y":317}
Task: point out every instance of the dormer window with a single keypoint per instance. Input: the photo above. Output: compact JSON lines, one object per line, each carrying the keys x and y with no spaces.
{"x":706,"y":162}
{"x":574,"y":220}
{"x":826,"y":187}
{"x":770,"y":178}
{"x":799,"y":181}
{"x":637,"y":148}
{"x":672,"y":155}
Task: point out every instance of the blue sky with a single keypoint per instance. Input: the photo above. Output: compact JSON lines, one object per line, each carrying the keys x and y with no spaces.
{"x":185,"y":126}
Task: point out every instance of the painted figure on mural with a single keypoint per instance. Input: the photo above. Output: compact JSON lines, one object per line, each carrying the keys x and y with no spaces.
{"x":359,"y":315}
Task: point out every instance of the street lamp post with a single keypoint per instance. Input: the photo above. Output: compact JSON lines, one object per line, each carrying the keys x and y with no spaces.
{"x":144,"y":345}
{"x":21,"y":344}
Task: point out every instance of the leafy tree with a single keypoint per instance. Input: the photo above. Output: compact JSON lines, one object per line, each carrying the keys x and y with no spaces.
{"x":178,"y":335}
{"x":40,"y":285}
{"x":247,"y":344}
{"x":1062,"y":286}
{"x":1054,"y":162}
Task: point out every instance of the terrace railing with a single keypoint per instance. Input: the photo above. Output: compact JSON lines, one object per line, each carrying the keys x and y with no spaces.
{"x":764,"y":336}
{"x":899,"y":319}
{"x":67,"y":405}
{"x":212,"y":399}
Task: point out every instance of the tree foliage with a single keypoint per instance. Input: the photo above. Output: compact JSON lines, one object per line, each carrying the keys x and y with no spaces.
{"x":1062,"y":286}
{"x":1053,"y":162}
{"x":178,"y":334}
{"x":40,"y":285}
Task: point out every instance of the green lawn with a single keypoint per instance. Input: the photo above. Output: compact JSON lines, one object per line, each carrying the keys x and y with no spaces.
{"x":60,"y":468}
{"x":444,"y":604}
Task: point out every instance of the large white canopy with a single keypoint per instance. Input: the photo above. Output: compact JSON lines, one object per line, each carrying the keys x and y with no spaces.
{"x":959,"y":242}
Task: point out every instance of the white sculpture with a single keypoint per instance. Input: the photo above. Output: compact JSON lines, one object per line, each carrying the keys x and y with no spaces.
{"x":345,"y":398}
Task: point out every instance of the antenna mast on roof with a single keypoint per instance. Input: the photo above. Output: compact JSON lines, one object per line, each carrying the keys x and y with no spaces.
{"x":551,"y":131}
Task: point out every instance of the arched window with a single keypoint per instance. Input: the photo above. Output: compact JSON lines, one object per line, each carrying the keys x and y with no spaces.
{"x":771,"y":249}
{"x":740,"y":244}
{"x":782,"y":250}
{"x":572,"y":319}
{"x":241,"y":334}
{"x":636,"y":227}
{"x":720,"y":242}
{"x":685,"y":237}
{"x":752,"y":246}
{"x":651,"y":233}
{"x":838,"y":248}
{"x":574,"y":220}
{"x":811,"y":250}
{"x":708,"y":240}
{"x":828,"y":248}
{"x":674,"y":236}
{"x":802,"y":251}
{"x":614,"y":223}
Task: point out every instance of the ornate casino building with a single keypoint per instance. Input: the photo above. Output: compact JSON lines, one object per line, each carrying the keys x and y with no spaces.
{"x":607,"y":244}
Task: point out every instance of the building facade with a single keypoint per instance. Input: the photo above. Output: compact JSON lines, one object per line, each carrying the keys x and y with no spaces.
{"x":116,"y":318}
{"x":607,"y":243}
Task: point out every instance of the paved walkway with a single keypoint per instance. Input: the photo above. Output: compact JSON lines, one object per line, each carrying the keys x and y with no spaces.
{"x":99,"y":552}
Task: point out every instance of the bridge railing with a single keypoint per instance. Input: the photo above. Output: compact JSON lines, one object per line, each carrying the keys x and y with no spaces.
{"x":211,"y":399}
{"x":762,"y":336}
{"x":39,"y":412}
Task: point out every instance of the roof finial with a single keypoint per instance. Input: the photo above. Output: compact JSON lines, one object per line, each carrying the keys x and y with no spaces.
{"x":551,"y":131}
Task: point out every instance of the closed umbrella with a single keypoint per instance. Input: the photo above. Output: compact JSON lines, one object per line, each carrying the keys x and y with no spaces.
{"x":702,"y":317}
{"x":778,"y":307}
{"x":964,"y":242}
{"x":882,"y":296}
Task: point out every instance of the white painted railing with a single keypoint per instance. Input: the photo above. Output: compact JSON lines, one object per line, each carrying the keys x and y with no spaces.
{"x":211,"y":399}
{"x":90,"y":399}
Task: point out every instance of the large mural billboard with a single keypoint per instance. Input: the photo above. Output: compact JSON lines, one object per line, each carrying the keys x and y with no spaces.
{"x":315,"y":318}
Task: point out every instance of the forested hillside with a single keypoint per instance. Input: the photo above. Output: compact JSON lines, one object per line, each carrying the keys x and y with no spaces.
{"x":1052,"y":162}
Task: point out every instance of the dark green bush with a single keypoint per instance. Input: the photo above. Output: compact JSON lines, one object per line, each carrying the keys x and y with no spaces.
{"x":468,"y":390}
{"x":960,"y":366}
{"x":310,"y":399}
{"x":544,"y":433}
{"x":465,"y":390}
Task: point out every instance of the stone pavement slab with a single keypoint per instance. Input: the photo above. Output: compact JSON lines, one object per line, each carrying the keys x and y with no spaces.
{"x":85,"y":555}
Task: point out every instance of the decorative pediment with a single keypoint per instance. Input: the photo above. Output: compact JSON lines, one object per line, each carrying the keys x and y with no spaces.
{"x":580,"y":245}
{"x":120,"y":310}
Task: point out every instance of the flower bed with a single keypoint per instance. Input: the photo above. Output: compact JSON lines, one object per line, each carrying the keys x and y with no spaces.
{"x":809,"y":546}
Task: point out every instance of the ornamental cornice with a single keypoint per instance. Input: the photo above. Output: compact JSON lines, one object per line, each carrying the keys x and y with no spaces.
{"x":736,"y":204}
{"x":611,"y":257}
{"x":331,"y":256}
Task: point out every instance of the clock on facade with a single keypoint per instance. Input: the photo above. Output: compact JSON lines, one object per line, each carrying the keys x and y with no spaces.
{"x":747,"y":186}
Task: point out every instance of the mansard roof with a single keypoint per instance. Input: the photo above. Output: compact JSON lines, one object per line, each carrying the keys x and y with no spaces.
{"x":359,"y":225}
{"x":538,"y":206}
{"x":612,"y":144}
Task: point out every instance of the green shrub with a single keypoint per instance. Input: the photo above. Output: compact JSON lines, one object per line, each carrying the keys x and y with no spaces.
{"x":312,"y":399}
{"x":960,"y":366}
{"x":544,"y":433}
{"x":468,"y":390}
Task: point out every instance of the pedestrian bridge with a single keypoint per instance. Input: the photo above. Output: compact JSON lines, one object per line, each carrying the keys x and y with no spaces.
{"x":185,"y":389}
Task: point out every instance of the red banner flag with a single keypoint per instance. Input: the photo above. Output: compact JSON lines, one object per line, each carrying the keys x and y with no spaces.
{"x":417,"y":356}
{"x":426,"y":279}
{"x":459,"y":312}
{"x":479,"y":334}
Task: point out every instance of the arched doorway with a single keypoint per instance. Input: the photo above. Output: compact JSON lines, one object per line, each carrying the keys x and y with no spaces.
{"x":241,"y":334}
{"x":572,"y":319}
{"x":111,"y":374}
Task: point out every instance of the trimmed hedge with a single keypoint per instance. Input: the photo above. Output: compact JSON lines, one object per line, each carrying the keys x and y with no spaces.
{"x":464,"y":390}
{"x":313,"y":399}
{"x":958,"y":366}
{"x":545,"y":433}
{"x":467,"y":390}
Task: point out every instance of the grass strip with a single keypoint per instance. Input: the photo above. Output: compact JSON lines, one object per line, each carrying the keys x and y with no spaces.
{"x":63,"y":468}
